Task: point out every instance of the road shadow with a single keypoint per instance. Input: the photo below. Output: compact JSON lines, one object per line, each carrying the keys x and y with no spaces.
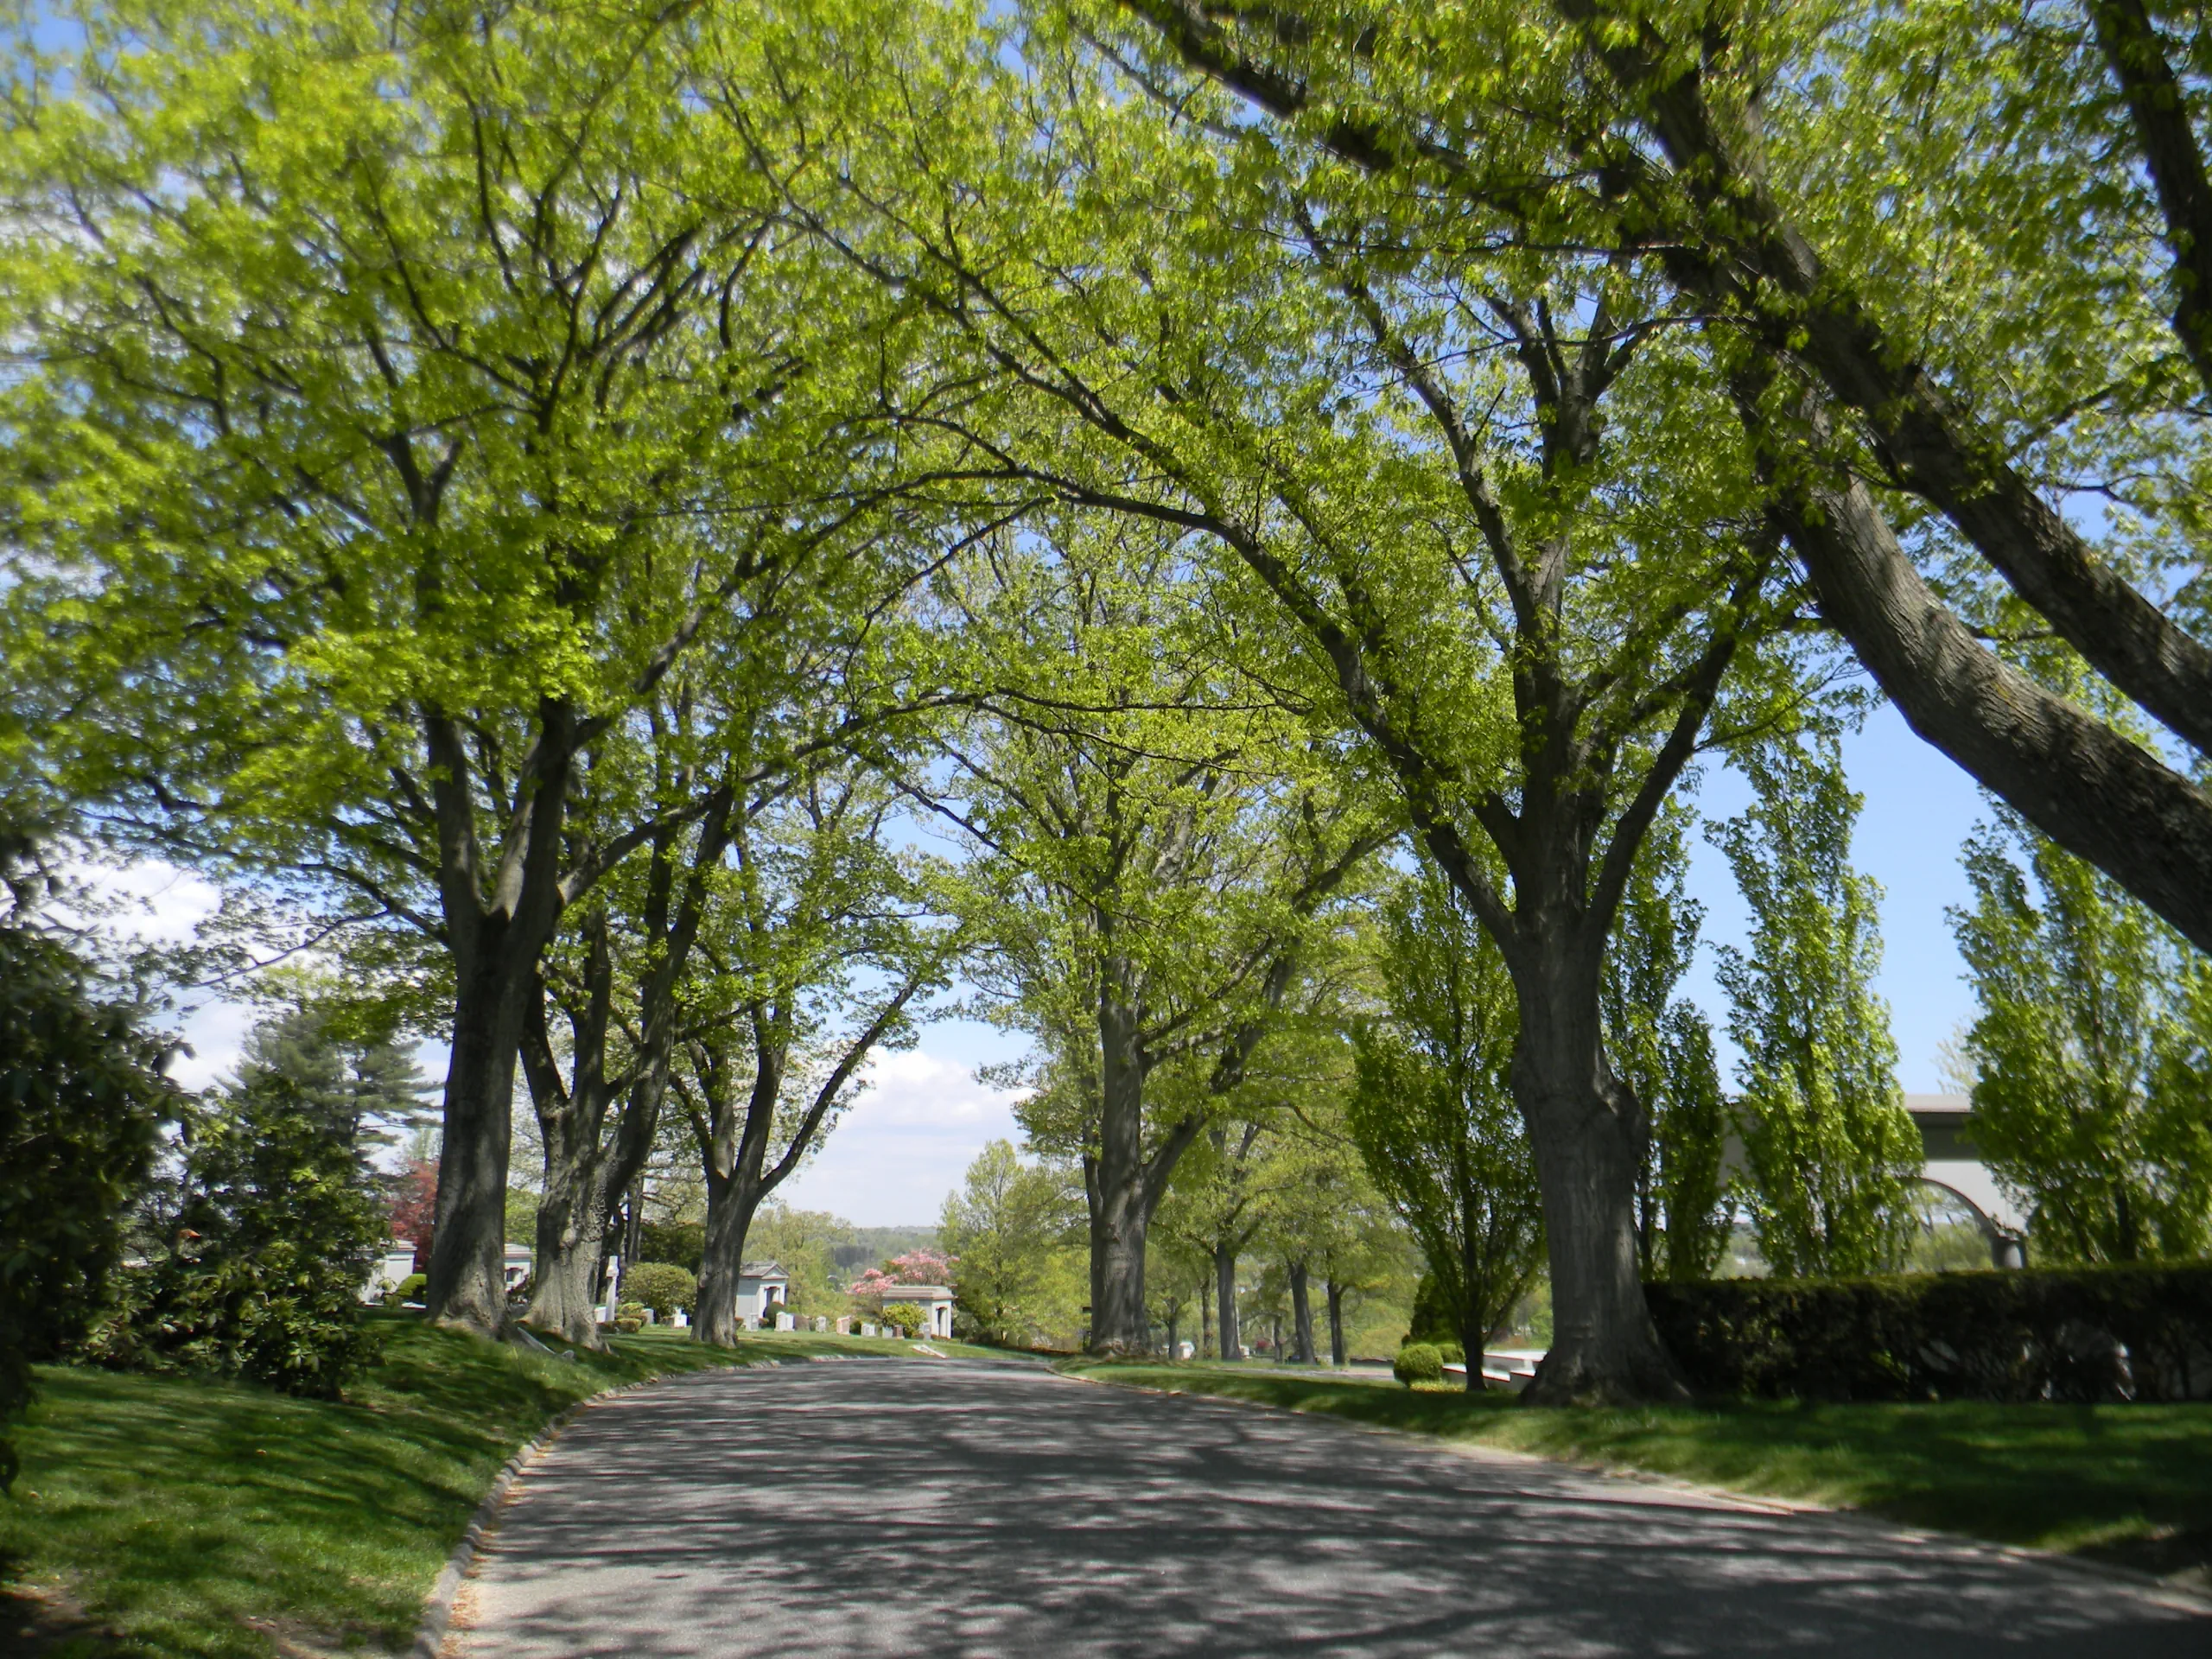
{"x":949,"y":1509}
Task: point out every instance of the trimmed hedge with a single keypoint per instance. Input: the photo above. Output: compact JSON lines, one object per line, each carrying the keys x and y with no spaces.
{"x":2072,"y":1334}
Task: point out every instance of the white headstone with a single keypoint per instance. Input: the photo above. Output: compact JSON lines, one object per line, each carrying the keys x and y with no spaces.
{"x":786,"y":1322}
{"x":683,"y":1321}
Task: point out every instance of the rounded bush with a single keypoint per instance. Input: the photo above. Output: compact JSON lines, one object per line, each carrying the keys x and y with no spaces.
{"x":630,"y":1318}
{"x":1417,"y":1362}
{"x":410,"y":1288}
{"x":661,"y":1286}
{"x":907,"y":1316}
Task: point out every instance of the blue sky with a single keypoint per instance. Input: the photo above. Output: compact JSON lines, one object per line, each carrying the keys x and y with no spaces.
{"x":1919,"y":807}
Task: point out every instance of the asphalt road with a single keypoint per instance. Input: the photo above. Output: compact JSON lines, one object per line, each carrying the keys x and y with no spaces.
{"x":903,"y":1508}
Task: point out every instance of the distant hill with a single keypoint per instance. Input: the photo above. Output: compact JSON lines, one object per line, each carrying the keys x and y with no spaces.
{"x":870,"y":1245}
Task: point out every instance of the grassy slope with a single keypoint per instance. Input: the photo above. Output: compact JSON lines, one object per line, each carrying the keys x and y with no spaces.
{"x":194,"y":1517}
{"x":2131,"y":1484}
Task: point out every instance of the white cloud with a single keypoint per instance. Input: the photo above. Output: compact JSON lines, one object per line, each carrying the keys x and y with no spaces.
{"x":216,"y":1033}
{"x":154,"y":903}
{"x":906,"y":1143}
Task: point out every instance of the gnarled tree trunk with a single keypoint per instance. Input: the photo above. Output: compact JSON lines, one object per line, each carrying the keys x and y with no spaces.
{"x":1587,"y":1133}
{"x":736,"y":1156}
{"x":1120,"y":1215}
{"x":466,"y":1280}
{"x":499,"y":922}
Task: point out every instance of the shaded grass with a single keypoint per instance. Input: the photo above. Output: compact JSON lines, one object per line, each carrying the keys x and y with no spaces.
{"x":194,"y":1517}
{"x":2130,"y":1485}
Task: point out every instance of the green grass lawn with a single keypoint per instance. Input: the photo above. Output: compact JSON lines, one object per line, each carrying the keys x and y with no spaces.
{"x":203,"y":1518}
{"x":2131,"y":1484}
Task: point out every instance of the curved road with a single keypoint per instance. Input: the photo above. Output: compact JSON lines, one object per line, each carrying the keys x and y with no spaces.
{"x":902,"y":1508}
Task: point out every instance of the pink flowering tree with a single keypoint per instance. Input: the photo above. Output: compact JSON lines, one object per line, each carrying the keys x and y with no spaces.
{"x":923,"y":1267}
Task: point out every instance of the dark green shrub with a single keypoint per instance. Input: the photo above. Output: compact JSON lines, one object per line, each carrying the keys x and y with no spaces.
{"x":278,"y":1224}
{"x":662,"y":1287}
{"x":906,"y":1317}
{"x":409,"y":1289}
{"x":684,"y":1242}
{"x":1417,"y":1362}
{"x":1432,"y":1319}
{"x":2081,"y":1334}
{"x":630,"y":1318}
{"x":81,"y":1102}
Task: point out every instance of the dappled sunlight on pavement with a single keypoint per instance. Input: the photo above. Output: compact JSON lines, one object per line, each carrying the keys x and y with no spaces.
{"x":896,"y":1509}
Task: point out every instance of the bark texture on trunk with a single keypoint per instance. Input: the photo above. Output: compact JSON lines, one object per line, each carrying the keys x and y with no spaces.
{"x":1744,"y":252}
{"x":2078,"y":780}
{"x":1118,"y":1226}
{"x":572,"y":1209}
{"x":728,"y":1222}
{"x":466,"y":1280}
{"x":1121,"y":1213}
{"x":2136,"y":53}
{"x":1338,"y":1357}
{"x":1206,"y":1349}
{"x":1232,"y":1324}
{"x":1301,"y":1314}
{"x":735,"y":1163}
{"x":1123,"y":1182}
{"x":498,"y":921}
{"x":1587,"y":1133}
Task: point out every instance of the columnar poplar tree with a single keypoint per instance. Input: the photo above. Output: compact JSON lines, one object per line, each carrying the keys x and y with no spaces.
{"x":408,"y":393}
{"x":1662,"y":1047}
{"x":2087,"y":1104}
{"x":1833,"y":1155}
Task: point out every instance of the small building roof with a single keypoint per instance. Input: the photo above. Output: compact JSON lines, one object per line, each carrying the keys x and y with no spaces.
{"x":762,"y":1270}
{"x":907,"y":1293}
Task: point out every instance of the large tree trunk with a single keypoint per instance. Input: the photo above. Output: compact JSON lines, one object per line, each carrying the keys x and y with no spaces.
{"x":731,"y":1205}
{"x":1224,"y":1279}
{"x":571,"y":1118}
{"x":1338,"y":1357}
{"x":736,"y":1156}
{"x":1301,"y":1314}
{"x":1588,"y":1138}
{"x":1207,"y":1350}
{"x":567,"y":1267}
{"x":1121,"y":1208}
{"x":498,"y":921}
{"x":467,"y":1279}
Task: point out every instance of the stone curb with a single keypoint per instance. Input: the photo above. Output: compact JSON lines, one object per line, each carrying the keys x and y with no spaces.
{"x":437,"y":1609}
